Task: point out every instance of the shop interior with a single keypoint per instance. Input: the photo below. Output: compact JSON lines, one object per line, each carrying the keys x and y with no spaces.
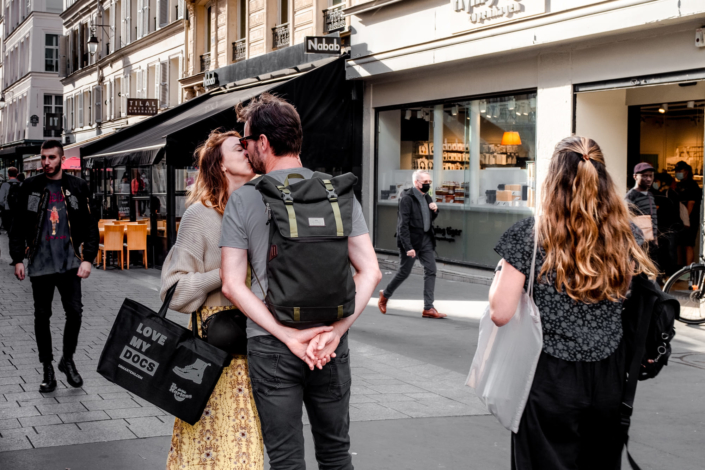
{"x":481,"y":155}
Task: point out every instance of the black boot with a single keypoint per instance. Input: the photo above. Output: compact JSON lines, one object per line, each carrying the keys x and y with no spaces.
{"x":67,"y":366}
{"x":49,"y":382}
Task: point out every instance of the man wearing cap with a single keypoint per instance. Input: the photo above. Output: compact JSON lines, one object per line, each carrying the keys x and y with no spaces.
{"x":642,"y":202}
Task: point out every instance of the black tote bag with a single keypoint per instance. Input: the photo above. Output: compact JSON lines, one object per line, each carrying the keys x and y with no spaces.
{"x":161,"y":361}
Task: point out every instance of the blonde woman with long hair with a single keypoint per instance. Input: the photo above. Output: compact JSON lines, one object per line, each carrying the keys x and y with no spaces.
{"x":588,"y":253}
{"x":228,"y":435}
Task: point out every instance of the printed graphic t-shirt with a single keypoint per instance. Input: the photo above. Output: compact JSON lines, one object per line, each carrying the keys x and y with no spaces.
{"x":245,"y":226}
{"x":54,"y":251}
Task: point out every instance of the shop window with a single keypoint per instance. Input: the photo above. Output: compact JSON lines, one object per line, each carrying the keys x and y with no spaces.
{"x":53,"y":110}
{"x":481,"y":156}
{"x":185,"y":178}
{"x":122,"y":188}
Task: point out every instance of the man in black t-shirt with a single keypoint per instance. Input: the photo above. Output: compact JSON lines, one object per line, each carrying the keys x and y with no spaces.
{"x":691,"y":196}
{"x":53,"y":222}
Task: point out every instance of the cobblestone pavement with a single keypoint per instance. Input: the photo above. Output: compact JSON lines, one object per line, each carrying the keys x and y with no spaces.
{"x":385,"y":385}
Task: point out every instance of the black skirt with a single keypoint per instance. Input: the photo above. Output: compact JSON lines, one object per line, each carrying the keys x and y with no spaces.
{"x":571,"y":419}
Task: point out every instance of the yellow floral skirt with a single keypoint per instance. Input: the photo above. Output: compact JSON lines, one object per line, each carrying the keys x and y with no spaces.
{"x":228,"y":435}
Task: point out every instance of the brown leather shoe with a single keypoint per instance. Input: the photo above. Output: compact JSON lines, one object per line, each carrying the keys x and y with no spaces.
{"x":433,"y":313}
{"x":382,"y":303}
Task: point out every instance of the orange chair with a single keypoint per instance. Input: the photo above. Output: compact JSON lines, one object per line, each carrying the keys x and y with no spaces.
{"x":103,"y":222}
{"x":136,"y":241}
{"x":114,"y":235}
{"x":143,"y":221}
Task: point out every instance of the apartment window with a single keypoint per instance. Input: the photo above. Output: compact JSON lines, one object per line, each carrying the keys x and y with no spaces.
{"x":208,"y":29}
{"x":242,"y":19}
{"x":283,"y":11}
{"x":53,"y":110}
{"x":51,"y":53}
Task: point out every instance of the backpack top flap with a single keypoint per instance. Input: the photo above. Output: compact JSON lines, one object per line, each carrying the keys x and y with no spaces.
{"x":317,"y":207}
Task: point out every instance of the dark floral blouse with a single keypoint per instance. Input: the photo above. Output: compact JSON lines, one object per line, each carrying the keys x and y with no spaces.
{"x":572,"y":331}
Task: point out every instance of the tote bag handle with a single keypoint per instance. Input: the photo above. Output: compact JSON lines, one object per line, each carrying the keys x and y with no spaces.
{"x":165,"y":307}
{"x":530,"y":289}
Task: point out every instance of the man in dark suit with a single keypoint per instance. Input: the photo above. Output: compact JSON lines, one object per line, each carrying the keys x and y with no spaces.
{"x":415,"y":238}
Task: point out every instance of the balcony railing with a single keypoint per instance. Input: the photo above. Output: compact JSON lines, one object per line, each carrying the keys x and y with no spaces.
{"x":280,"y":36}
{"x":334,"y":19}
{"x":239,"y":49}
{"x":206,"y":62}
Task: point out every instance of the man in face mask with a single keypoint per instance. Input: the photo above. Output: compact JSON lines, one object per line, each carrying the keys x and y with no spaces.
{"x":416,"y":238}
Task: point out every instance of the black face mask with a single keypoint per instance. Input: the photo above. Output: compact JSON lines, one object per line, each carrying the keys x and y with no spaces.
{"x":425,"y":188}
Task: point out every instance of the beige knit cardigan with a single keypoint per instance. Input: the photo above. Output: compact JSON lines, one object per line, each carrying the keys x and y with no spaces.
{"x":194,"y":261}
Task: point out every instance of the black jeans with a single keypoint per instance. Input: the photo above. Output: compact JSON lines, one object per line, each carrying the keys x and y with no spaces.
{"x":69,"y":285}
{"x":281,"y":383}
{"x":571,"y":419}
{"x":427,"y":257}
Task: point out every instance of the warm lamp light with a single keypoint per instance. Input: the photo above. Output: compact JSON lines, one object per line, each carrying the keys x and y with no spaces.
{"x":511,"y":138}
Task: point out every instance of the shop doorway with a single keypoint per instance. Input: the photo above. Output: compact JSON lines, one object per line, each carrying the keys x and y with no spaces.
{"x":663,"y":125}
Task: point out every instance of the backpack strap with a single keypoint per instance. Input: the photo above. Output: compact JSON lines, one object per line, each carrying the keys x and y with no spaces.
{"x":289,"y":204}
{"x":333,"y":198}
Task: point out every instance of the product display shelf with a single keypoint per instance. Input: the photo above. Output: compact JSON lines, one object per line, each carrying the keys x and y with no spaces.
{"x":469,"y":207}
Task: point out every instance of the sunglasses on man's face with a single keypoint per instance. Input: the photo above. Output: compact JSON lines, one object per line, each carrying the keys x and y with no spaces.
{"x":243,"y":140}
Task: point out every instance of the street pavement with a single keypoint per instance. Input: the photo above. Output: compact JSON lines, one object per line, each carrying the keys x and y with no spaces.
{"x":409,"y":408}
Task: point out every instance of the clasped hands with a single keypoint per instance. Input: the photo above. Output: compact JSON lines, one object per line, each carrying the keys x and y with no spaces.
{"x":315,"y":346}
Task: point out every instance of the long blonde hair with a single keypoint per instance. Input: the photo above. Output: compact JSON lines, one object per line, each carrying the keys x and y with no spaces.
{"x":211,"y":185}
{"x":585,"y":227}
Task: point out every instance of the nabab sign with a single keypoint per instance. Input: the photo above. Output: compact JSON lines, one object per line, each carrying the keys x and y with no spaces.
{"x":473,"y":14}
{"x":322,"y":45}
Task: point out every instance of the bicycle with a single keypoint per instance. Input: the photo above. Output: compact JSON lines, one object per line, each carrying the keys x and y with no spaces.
{"x":688,"y":287}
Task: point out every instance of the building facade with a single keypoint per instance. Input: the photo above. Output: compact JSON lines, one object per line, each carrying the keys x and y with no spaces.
{"x":223,"y":32}
{"x":116,"y":50}
{"x":32,"y":95}
{"x":479,"y":92}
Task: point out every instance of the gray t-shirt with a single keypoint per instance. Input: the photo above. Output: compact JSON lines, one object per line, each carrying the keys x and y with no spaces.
{"x":245,"y":227}
{"x":55,"y":254}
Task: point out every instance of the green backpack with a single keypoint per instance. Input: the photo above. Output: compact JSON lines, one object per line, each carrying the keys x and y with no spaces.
{"x":308,"y":268}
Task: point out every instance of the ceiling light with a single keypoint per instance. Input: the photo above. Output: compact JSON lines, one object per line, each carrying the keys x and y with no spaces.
{"x":511,"y":104}
{"x":454,"y":110}
{"x":427,"y":116}
{"x":419,"y":114}
{"x":532,"y":103}
{"x":663,"y":108}
{"x":691,"y":104}
{"x":483,"y":106}
{"x":407,"y":116}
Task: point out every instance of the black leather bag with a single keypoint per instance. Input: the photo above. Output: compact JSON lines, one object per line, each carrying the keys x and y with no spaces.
{"x":226,"y":330}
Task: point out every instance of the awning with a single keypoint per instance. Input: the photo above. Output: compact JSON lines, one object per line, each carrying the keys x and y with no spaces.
{"x":143,"y":143}
{"x":72,"y":163}
{"x":74,"y":150}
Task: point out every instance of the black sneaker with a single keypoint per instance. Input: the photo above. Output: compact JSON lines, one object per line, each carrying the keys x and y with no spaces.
{"x":49,"y":382}
{"x":67,"y":366}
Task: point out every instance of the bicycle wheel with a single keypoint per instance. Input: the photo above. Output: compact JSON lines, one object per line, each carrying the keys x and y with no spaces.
{"x":688,"y":287}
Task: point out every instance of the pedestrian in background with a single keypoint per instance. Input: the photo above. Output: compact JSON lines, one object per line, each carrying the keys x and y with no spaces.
{"x":691,"y":196}
{"x":53,"y":221}
{"x":9,"y":192}
{"x":291,"y":367}
{"x":669,"y":221}
{"x":416,"y":238}
{"x":588,"y":253}
{"x":642,"y":205}
{"x":228,"y":434}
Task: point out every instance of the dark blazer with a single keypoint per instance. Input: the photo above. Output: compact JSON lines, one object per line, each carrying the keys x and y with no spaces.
{"x":410,"y":222}
{"x":31,"y":210}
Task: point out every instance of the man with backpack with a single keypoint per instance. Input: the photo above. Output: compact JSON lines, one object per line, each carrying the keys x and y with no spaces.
{"x":9,"y":196}
{"x":300,"y":239}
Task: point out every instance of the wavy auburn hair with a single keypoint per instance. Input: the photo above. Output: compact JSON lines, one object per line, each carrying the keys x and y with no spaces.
{"x":211,"y":186}
{"x":585,"y":227}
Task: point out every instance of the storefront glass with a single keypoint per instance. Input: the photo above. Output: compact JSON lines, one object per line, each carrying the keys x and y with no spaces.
{"x":481,"y":156}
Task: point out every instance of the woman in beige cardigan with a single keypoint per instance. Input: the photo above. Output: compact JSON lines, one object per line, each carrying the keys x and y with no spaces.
{"x":228,"y":435}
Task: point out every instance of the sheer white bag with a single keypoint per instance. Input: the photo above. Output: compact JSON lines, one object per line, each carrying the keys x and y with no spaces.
{"x":503,"y":368}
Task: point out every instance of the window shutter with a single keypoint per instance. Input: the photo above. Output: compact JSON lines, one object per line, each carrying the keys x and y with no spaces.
{"x":145,"y":87}
{"x":79,"y":47}
{"x":67,"y":114}
{"x":71,"y":53}
{"x":62,"y":56}
{"x":181,"y":9}
{"x":80,"y":109}
{"x":145,"y":18}
{"x":139,"y":18}
{"x":98,"y":109}
{"x":163,"y":10}
{"x":109,"y":102}
{"x":138,"y":85}
{"x":111,"y":30}
{"x":128,"y":22}
{"x":125,"y":89}
{"x":163,"y":84}
{"x":123,"y":23}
